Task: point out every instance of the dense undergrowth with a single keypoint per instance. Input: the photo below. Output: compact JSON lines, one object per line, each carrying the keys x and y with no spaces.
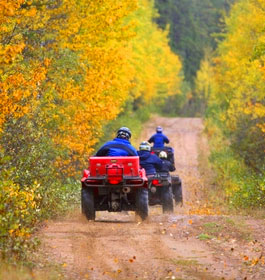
{"x":24,"y":207}
{"x":240,"y":187}
{"x":21,"y":272}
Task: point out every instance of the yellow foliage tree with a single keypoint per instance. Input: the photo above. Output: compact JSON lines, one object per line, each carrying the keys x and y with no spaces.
{"x":67,"y":67}
{"x":238,"y":80}
{"x":74,"y":63}
{"x":19,"y":81}
{"x":156,"y":68}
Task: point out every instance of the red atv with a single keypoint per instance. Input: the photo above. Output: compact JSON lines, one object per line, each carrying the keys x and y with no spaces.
{"x":114,"y":184}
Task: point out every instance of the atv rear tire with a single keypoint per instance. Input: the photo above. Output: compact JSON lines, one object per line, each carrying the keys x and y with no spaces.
{"x":88,"y":203}
{"x":177,"y":190}
{"x":178,"y":194}
{"x":167,"y":200}
{"x":142,"y":203}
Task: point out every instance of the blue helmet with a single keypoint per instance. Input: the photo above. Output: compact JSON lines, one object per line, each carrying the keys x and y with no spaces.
{"x":124,"y":133}
{"x":159,"y":129}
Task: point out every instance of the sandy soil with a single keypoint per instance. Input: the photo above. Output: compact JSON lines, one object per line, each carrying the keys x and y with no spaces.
{"x":175,"y":246}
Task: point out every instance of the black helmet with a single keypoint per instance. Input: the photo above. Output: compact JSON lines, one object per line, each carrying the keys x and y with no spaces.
{"x":159,"y":129}
{"x":124,"y":133}
{"x":145,"y":146}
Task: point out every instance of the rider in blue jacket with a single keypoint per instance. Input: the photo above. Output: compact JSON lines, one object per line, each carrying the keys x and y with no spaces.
{"x":159,"y":139}
{"x":150,"y":162}
{"x":119,"y":146}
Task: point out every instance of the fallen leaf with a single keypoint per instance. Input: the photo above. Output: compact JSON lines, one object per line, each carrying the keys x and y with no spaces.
{"x":254,"y":261}
{"x":190,"y":222}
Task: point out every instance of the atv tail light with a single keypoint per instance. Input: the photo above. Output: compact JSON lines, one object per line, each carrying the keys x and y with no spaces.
{"x":115,"y":174}
{"x":91,"y":181}
{"x":155,"y":182}
{"x":115,"y":181}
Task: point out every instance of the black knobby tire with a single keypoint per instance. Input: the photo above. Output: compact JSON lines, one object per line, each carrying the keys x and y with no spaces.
{"x":142,"y":203}
{"x":167,"y":199}
{"x":177,"y":190}
{"x":88,"y":203}
{"x":178,"y":194}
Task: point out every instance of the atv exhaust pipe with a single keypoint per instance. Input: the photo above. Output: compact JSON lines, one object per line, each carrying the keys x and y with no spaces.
{"x":126,"y":189}
{"x":153,"y":189}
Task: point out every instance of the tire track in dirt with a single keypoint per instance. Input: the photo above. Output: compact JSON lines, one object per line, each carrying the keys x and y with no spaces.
{"x":115,"y":246}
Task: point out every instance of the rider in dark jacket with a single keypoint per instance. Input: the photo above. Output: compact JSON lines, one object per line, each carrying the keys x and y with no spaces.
{"x":167,"y":166}
{"x":150,"y":162}
{"x":120,"y":146}
{"x":159,"y":139}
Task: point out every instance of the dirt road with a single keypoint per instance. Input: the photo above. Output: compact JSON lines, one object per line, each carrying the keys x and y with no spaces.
{"x":176,"y":246}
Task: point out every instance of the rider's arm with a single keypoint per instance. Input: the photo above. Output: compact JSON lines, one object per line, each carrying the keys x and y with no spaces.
{"x":172,"y":167}
{"x":128,"y":149}
{"x":166,"y":140}
{"x":151,"y":139}
{"x":158,"y":163}
{"x":103,"y":151}
{"x":134,"y":150}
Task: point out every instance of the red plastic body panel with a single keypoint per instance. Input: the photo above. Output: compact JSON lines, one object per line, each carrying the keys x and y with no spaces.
{"x":86,"y":173}
{"x":130,"y":165}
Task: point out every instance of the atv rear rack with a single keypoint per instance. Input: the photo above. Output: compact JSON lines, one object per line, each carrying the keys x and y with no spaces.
{"x":104,"y":181}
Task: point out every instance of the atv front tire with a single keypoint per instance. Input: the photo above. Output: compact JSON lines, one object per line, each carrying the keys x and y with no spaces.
{"x":142,"y":203}
{"x":167,"y":200}
{"x":88,"y":203}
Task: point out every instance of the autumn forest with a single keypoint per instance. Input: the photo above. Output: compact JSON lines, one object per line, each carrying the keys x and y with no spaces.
{"x":73,"y":71}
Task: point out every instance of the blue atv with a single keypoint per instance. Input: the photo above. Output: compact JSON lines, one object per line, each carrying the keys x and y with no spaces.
{"x":175,"y":180}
